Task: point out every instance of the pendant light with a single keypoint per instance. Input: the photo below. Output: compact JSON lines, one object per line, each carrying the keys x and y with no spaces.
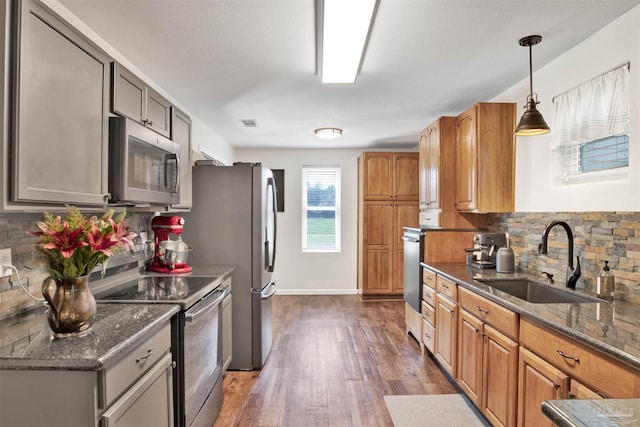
{"x":532,"y":122}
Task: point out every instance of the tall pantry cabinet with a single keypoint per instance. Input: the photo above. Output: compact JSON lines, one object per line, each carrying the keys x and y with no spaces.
{"x":387,"y":201}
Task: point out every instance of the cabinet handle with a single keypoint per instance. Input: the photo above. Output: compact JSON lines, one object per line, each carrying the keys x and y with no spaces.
{"x":150,"y":122}
{"x":140,"y":359}
{"x":571,"y":395}
{"x":445,"y":286}
{"x":481,"y":310}
{"x":566,"y":356}
{"x":428,"y":336}
{"x":556,"y":386}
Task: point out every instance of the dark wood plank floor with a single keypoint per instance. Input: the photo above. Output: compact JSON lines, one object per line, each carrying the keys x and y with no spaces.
{"x":332,"y":361}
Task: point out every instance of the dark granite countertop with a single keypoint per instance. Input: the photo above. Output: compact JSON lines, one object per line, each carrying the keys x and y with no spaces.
{"x":26,"y":341}
{"x":593,"y":412}
{"x":612,"y":327}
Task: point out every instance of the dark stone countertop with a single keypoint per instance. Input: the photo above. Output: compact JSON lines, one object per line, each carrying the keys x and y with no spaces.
{"x":593,"y":412}
{"x":612,"y":327}
{"x":26,"y":341}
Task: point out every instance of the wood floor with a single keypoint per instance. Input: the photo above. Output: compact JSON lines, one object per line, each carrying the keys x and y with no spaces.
{"x":332,"y":361}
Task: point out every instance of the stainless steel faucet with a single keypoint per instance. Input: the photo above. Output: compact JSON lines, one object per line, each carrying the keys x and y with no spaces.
{"x":573,"y":274}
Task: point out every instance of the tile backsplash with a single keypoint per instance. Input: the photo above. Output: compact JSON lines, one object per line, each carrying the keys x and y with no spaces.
{"x":32,"y":271}
{"x":598,"y":237}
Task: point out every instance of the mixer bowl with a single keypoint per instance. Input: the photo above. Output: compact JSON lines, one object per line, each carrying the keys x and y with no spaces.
{"x":173,"y":253}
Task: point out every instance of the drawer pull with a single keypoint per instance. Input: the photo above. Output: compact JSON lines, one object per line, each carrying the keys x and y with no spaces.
{"x":566,"y":356}
{"x":140,"y":359}
{"x":427,"y":336}
{"x":481,"y":310}
{"x":445,"y":286}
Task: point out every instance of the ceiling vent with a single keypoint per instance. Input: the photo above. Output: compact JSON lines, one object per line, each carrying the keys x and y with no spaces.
{"x":249,"y":123}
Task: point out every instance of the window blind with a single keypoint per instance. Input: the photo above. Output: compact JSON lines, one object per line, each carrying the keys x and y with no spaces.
{"x":320,"y":208}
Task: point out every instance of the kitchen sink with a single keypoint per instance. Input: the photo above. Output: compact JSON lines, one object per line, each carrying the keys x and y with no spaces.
{"x":535,"y":292}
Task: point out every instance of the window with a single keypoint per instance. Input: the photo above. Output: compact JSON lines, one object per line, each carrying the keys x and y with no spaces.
{"x":320,"y":209}
{"x":590,"y":132}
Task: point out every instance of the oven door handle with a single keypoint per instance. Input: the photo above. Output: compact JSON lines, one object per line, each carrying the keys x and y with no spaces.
{"x":411,"y":239}
{"x":205,"y":304}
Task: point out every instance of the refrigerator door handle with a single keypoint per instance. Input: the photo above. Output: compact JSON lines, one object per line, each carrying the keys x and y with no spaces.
{"x":274,"y":207}
{"x":273,"y":285}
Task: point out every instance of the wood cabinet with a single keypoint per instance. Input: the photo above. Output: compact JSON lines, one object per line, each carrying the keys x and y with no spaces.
{"x":387,"y":201}
{"x":60,"y":133}
{"x":136,"y":390}
{"x":437,"y":172}
{"x":181,"y":135}
{"x":485,"y":156}
{"x":487,"y":357}
{"x":390,"y":176}
{"x":538,"y":381}
{"x":447,"y":324}
{"x":131,"y":97}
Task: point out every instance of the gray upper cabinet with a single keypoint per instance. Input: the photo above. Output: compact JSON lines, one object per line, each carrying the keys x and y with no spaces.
{"x":59,"y":143}
{"x":181,"y":135}
{"x":131,"y":97}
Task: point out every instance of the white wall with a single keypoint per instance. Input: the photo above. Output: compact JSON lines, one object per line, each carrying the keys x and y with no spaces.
{"x":614,"y":45}
{"x":203,"y":138}
{"x":313,"y":273}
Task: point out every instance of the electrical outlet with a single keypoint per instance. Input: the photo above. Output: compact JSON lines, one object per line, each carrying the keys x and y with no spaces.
{"x":5,"y":262}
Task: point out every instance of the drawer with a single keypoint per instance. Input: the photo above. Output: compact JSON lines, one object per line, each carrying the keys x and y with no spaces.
{"x":429,"y":295}
{"x":120,"y":376}
{"x":503,"y":319}
{"x":591,"y":367}
{"x":430,"y":218}
{"x":577,"y":390}
{"x":429,"y":336}
{"x":429,"y":277}
{"x":428,"y":313}
{"x":447,"y":287}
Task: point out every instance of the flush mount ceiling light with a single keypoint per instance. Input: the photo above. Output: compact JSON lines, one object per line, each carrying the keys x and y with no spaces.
{"x":328,"y":133}
{"x":343,"y":28}
{"x":532,"y":122}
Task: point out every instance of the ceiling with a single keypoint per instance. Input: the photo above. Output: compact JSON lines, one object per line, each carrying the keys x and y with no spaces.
{"x":231,"y":60}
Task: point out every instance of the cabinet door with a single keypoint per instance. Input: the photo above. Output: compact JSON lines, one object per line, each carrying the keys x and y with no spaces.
{"x":61,"y":128}
{"x":466,"y":161}
{"x":378,"y":248}
{"x":128,"y":94}
{"x":470,"y":339}
{"x":577,"y":390}
{"x":158,"y":113}
{"x":433,"y":166}
{"x":405,"y":176}
{"x":149,"y":402}
{"x":423,"y":170}
{"x":181,"y":135}
{"x":227,"y":340}
{"x":499,"y":378}
{"x":537,"y":381}
{"x":446,"y":333}
{"x":377,"y":176}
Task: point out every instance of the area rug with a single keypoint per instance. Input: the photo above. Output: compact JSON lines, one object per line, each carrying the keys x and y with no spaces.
{"x":437,"y":410}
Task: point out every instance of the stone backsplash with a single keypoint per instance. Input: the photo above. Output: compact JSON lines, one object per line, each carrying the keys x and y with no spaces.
{"x":32,"y":271}
{"x":598,"y":236}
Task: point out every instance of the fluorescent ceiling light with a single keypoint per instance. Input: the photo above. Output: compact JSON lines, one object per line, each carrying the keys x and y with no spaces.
{"x":328,"y":133}
{"x":344,"y":27}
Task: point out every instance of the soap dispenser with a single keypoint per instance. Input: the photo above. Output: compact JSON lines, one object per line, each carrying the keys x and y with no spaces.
{"x":605,"y":283}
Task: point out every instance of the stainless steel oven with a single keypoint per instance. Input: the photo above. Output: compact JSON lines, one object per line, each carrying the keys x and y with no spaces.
{"x":196,"y":337}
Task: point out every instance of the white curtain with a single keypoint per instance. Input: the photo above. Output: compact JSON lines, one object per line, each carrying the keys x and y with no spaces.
{"x":595,"y":109}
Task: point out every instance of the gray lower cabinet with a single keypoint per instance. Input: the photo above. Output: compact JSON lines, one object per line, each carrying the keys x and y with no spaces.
{"x":135,"y":391}
{"x":227,"y":343}
{"x":131,"y":97}
{"x":181,"y":135}
{"x":60,"y":110}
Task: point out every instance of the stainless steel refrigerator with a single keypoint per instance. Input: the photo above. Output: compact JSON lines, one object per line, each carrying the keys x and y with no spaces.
{"x":233,"y":222}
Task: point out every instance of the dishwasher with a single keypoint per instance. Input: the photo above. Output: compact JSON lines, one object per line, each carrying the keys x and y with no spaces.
{"x":413,"y":249}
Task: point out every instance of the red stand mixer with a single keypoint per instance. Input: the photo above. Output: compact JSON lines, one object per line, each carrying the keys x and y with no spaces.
{"x":170,"y":255}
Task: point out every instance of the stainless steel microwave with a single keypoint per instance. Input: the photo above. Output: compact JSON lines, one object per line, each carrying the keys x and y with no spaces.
{"x":143,"y":165}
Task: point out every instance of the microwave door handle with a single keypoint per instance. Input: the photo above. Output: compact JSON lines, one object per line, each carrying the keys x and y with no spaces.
{"x":175,"y":182}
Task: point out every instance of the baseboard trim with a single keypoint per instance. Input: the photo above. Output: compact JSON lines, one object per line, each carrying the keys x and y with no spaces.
{"x":317,"y":291}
